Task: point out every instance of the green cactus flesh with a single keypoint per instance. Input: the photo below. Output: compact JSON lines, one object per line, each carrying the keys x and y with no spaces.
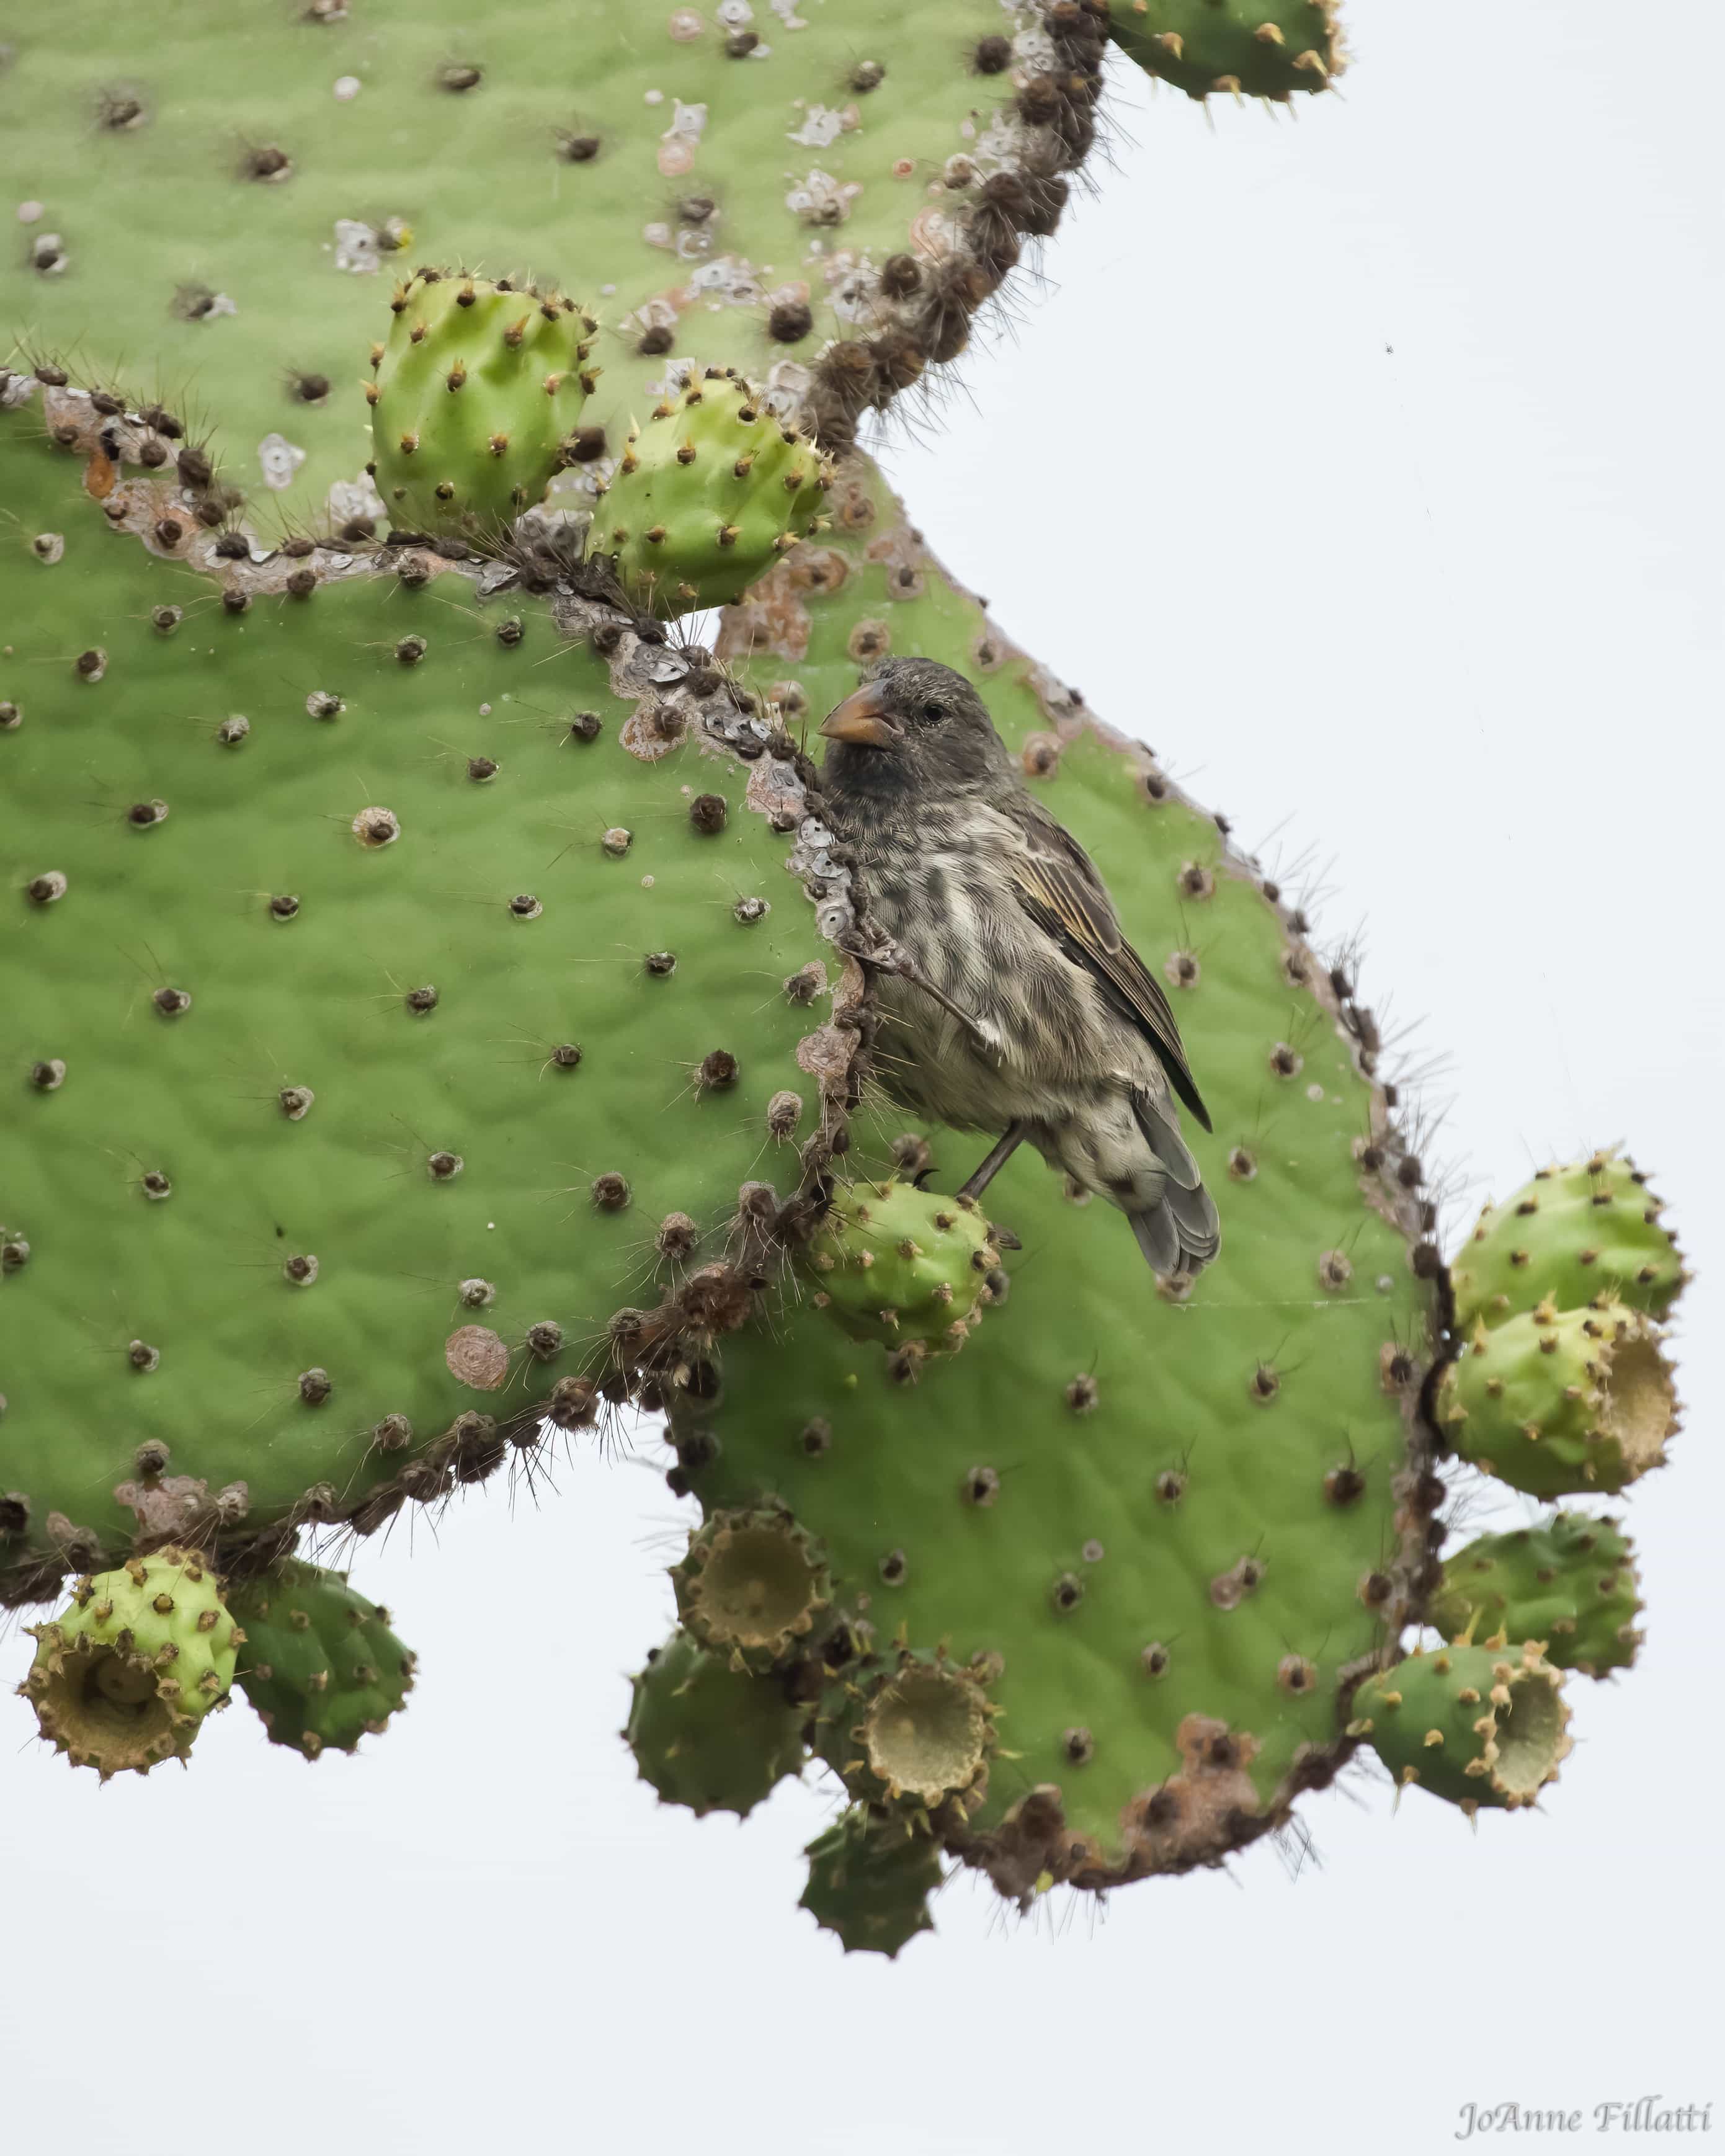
{"x":822,"y":199}
{"x":319,"y":1663}
{"x":1154,"y":1535}
{"x":123,"y":1677}
{"x":477,"y":391}
{"x":458,"y":1006}
{"x":1574,"y":1233}
{"x":870,"y":1881}
{"x":1473,"y":1725}
{"x":1252,"y":48}
{"x":706,"y":494}
{"x":1569,"y":1582}
{"x":908,"y":1267}
{"x":1557,"y":1402}
{"x":710,"y":1736}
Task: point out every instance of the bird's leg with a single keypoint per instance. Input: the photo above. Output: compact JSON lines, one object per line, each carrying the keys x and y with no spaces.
{"x":1007,"y":1145}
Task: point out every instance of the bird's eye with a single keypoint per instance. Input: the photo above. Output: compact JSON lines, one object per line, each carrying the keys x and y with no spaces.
{"x":931,"y":711}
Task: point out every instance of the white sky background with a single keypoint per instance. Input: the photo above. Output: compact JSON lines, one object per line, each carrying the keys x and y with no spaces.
{"x":1450,"y":617}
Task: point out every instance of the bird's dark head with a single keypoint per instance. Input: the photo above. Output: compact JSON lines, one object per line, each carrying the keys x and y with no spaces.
{"x":914,"y":726}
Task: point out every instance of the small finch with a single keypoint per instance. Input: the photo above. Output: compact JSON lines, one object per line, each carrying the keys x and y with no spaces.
{"x":1010,"y":1001}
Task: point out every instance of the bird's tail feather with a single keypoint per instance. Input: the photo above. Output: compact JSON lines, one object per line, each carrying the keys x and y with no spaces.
{"x":1170,"y":1148}
{"x":1182,"y":1232}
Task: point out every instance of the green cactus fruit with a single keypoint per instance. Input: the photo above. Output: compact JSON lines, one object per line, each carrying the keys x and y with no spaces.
{"x":1473,"y":1725}
{"x":707,"y":494}
{"x":1569,"y":1583}
{"x":1161,"y":1526}
{"x":751,"y":1587}
{"x":475,"y":399}
{"x":823,"y":199}
{"x":869,"y":1881}
{"x":907,"y":1266}
{"x":123,"y":1678}
{"x":1251,"y":47}
{"x":1557,"y":1402}
{"x":1574,"y":1233}
{"x":401,"y":1038}
{"x":320,"y":1663}
{"x":710,"y":1737}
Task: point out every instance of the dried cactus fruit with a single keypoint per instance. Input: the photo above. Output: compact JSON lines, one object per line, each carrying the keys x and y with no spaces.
{"x":870,"y":1881}
{"x":708,"y":1736}
{"x":123,"y":1677}
{"x":751,"y":1587}
{"x":1473,"y":1725}
{"x":1568,"y":1582}
{"x":707,"y":494}
{"x":918,"y":1736}
{"x":1589,"y":1229}
{"x":474,"y":398}
{"x":898,"y":1264}
{"x":1556,"y":1402}
{"x":320,"y":1663}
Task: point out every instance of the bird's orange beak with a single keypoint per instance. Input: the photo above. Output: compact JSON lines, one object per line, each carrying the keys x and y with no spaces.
{"x":861,"y":720}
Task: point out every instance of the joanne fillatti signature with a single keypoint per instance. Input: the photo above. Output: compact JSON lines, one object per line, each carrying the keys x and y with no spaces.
{"x":1646,"y":2114}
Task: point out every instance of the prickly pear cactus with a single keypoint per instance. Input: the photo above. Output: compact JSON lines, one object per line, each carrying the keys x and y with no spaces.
{"x":707,"y":494}
{"x":123,"y":1678}
{"x":1576,"y":1233}
{"x":1271,"y":49}
{"x":1568,"y":1582}
{"x":710,"y":1737}
{"x":1555,"y":1402}
{"x":319,"y":1663}
{"x":475,"y":399}
{"x":1476,"y":1725}
{"x":407,"y":1039}
{"x":869,"y":1882}
{"x":417,"y":1048}
{"x":823,"y":198}
{"x":905,"y":1265}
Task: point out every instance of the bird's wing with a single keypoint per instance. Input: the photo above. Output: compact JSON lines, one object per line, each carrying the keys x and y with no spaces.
{"x":1056,"y":883}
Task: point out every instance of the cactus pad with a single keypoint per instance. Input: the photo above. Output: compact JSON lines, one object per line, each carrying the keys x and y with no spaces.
{"x":710,"y":1736}
{"x":870,"y":1881}
{"x":1248,"y":47}
{"x":320,"y":1663}
{"x":901,"y":1265}
{"x":1562,"y":1401}
{"x":1473,"y":1725}
{"x":474,"y":400}
{"x":123,"y":1678}
{"x":402,"y":1035}
{"x":822,"y":199}
{"x":1569,"y":1583}
{"x":1589,"y":1229}
{"x":707,"y":494}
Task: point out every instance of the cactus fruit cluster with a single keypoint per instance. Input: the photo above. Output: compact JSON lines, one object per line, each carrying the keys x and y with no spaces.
{"x":438,"y":1018}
